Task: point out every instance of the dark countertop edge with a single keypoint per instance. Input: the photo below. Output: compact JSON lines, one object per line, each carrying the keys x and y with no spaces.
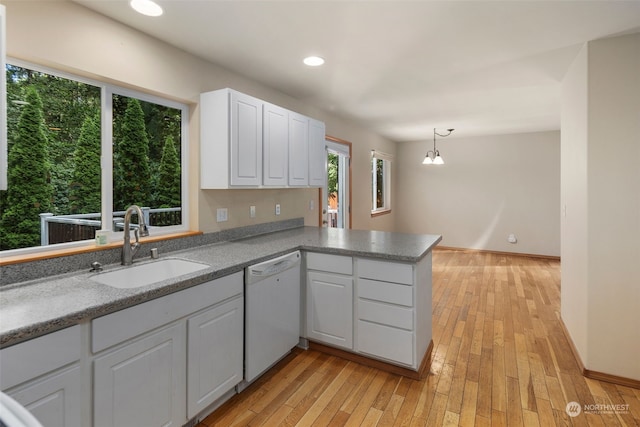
{"x":38,"y":329}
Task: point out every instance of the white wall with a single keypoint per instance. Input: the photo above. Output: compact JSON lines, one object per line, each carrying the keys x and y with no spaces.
{"x":574,"y":301}
{"x":605,"y":78}
{"x":68,"y":37}
{"x":488,"y":188}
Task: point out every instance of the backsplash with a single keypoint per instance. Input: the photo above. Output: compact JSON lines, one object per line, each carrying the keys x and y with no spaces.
{"x":22,"y":272}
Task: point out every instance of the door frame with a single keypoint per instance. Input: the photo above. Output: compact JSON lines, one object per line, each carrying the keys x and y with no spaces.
{"x":321,"y":214}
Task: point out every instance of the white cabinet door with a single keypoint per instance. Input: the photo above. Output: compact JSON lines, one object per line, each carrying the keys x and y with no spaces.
{"x":54,"y":400}
{"x":246,"y":140}
{"x":275,"y":146}
{"x":317,"y":154}
{"x":298,"y":150}
{"x":330,"y":308}
{"x":215,"y":354}
{"x":142,"y":383}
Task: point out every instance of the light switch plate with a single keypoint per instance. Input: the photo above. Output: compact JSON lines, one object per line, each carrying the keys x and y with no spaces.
{"x":277,"y":208}
{"x":252,"y":211}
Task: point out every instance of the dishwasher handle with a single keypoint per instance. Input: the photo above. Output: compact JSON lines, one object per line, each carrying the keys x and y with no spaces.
{"x":275,"y":266}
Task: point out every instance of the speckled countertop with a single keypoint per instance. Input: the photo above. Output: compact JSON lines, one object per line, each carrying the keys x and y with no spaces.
{"x":37,"y":307}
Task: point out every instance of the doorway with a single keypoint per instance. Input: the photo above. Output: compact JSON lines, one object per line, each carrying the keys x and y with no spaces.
{"x":336,"y":194}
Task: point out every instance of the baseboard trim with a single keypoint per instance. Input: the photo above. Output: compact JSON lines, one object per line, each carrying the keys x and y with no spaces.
{"x":421,"y":373}
{"x":487,"y":251}
{"x":595,"y":375}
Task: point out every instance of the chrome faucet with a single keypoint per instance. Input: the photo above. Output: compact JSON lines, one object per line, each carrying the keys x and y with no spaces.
{"x":129,"y":250}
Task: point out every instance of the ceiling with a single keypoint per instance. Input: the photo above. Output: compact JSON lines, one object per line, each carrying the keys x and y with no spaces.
{"x":400,"y":68}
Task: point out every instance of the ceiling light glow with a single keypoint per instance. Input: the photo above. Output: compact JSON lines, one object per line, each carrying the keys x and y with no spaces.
{"x":313,"y":61}
{"x":146,"y":7}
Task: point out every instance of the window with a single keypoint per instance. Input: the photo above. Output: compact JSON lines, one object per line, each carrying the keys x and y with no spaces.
{"x":381,"y":182}
{"x":80,"y":152}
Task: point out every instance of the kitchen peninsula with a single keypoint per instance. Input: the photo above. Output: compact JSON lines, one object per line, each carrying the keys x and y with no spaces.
{"x":387,"y":295}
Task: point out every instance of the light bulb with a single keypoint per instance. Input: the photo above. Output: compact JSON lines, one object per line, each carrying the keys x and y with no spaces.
{"x":146,"y":7}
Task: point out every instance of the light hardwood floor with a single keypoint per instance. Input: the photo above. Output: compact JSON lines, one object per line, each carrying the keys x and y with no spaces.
{"x":500,"y":358}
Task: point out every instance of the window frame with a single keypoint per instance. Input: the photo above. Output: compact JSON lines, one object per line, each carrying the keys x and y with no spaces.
{"x":107,"y":90}
{"x":387,"y":160}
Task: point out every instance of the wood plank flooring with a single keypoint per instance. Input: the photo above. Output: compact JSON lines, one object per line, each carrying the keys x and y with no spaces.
{"x":500,"y":359}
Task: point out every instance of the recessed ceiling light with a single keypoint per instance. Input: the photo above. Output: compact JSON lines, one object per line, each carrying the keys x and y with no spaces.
{"x":313,"y":61}
{"x":146,"y":7}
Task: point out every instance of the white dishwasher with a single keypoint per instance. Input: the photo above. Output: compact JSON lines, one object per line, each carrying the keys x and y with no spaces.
{"x":272,"y":312}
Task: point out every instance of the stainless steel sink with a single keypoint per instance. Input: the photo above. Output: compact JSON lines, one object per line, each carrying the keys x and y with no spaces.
{"x":140,"y":275}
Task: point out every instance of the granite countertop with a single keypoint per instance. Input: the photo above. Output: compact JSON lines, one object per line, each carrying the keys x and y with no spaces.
{"x":41,"y":306}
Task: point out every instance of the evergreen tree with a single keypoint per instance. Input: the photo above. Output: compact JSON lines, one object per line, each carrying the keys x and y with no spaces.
{"x":168,"y":193}
{"x":29,"y":191}
{"x":132,"y":178}
{"x":85,"y":192}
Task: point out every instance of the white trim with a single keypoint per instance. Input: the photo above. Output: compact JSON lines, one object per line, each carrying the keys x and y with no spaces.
{"x":380,"y":155}
{"x":4,"y":146}
{"x":387,"y":159}
{"x":338,"y":148}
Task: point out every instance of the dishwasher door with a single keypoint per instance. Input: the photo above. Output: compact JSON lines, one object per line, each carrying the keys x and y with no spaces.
{"x":272,"y":312}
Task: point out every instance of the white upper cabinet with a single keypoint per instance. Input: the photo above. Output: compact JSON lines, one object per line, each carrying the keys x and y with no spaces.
{"x":230,"y":140}
{"x":275,"y":146}
{"x":317,"y":154}
{"x":298,"y":150}
{"x":249,"y":143}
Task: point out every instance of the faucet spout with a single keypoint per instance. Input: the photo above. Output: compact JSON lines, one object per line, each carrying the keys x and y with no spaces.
{"x":128,"y":249}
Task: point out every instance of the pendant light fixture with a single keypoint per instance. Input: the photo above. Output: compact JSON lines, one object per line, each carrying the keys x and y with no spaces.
{"x":433,"y":156}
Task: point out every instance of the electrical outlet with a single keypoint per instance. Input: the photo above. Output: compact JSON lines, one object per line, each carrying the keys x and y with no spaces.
{"x":277,"y":208}
{"x":222,"y":214}
{"x":252,"y":211}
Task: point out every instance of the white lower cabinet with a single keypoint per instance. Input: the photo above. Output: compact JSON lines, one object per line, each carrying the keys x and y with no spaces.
{"x":163,"y":362}
{"x":330,"y":299}
{"x":143,"y":382}
{"x":43,"y":375}
{"x":330,"y":308}
{"x":55,"y":400}
{"x":214,"y":355}
{"x":380,"y":309}
{"x":393,"y":310}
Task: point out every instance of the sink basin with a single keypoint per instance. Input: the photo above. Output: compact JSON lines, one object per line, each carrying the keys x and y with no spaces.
{"x":140,"y":275}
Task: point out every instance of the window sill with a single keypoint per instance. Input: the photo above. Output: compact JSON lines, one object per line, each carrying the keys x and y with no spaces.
{"x":380,"y":213}
{"x":18,"y":259}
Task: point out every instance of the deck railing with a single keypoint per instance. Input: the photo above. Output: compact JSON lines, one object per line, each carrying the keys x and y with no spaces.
{"x":71,"y":228}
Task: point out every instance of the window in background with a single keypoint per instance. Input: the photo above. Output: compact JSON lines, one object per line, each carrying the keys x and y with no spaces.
{"x":381,"y":182}
{"x":61,"y":183}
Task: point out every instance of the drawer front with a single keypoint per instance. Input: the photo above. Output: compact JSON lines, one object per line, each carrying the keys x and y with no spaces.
{"x":333,"y":263}
{"x":385,"y":342}
{"x":385,"y":292}
{"x":27,"y":360}
{"x":386,"y":314}
{"x":125,"y":324}
{"x":385,"y":271}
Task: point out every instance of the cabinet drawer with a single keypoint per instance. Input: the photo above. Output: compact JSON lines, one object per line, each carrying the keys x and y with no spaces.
{"x":385,"y":342}
{"x":387,"y":314}
{"x":385,"y":292}
{"x":27,"y":360}
{"x":385,"y":271}
{"x":327,"y":262}
{"x":125,"y":324}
